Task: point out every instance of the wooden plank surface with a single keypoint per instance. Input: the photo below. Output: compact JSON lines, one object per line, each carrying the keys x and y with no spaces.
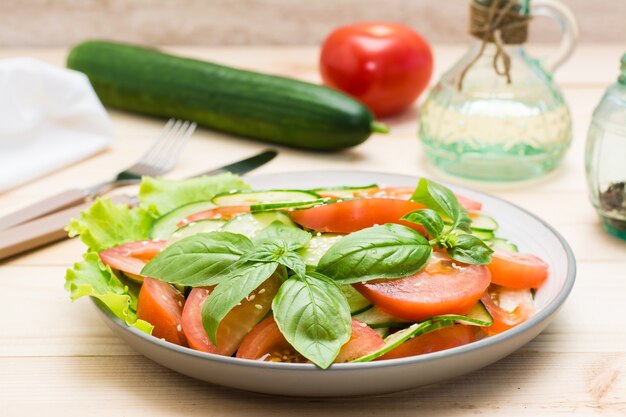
{"x":57,"y":358}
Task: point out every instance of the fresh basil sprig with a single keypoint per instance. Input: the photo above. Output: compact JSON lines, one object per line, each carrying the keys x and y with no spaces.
{"x":314,"y":316}
{"x":387,"y":251}
{"x":443,"y":201}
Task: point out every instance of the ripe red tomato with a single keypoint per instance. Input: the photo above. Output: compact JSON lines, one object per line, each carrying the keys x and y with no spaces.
{"x":225,"y":213}
{"x":386,"y":66}
{"x":440,"y":339}
{"x":161,"y":305}
{"x":352,"y":215}
{"x":517,"y":270}
{"x":131,"y":257}
{"x":444,"y":286}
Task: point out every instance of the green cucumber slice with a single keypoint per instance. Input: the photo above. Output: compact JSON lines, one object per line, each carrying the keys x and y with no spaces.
{"x":483,"y":222}
{"x":200,"y":226}
{"x":249,"y":224}
{"x":167,"y":224}
{"x":318,"y":246}
{"x":356,"y":301}
{"x":483,"y":234}
{"x":399,"y":337}
{"x":287,"y":205}
{"x":248,"y":198}
{"x":477,"y":316}
{"x":376,"y":318}
{"x":344,"y":192}
{"x":499,"y":243}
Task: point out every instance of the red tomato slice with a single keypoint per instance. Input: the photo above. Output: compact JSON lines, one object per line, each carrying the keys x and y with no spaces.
{"x":444,"y":286}
{"x":363,"y":341}
{"x":161,"y":305}
{"x":237,"y":323}
{"x":517,"y":270}
{"x":131,"y":257}
{"x":352,"y":215}
{"x":405,"y":193}
{"x":503,"y":319}
{"x":440,"y":339}
{"x":265,"y":342}
{"x":225,"y":213}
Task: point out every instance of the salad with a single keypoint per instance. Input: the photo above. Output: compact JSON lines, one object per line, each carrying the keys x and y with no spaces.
{"x":346,"y":274}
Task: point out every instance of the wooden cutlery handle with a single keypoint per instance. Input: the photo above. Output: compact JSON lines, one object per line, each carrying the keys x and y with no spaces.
{"x":51,"y":204}
{"x":44,"y":230}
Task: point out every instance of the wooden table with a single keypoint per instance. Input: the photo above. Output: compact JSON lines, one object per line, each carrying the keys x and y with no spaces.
{"x":58,"y":358}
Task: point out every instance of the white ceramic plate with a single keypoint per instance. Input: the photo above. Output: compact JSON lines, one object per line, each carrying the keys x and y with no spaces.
{"x":529,"y":232}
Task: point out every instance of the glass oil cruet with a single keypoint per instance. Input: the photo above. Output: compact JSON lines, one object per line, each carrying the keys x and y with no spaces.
{"x":497,"y":115}
{"x":605,"y":158}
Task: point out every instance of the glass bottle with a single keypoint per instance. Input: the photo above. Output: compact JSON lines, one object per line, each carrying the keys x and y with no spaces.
{"x":605,"y":159}
{"x":480,"y":125}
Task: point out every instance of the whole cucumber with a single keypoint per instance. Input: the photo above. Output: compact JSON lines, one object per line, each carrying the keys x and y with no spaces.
{"x":245,"y":103}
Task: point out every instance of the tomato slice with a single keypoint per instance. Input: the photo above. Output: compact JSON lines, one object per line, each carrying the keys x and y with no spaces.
{"x":237,"y":323}
{"x":440,"y":339}
{"x":131,"y":257}
{"x":161,"y":305}
{"x":352,"y":215}
{"x":517,"y":270}
{"x":504,"y":319}
{"x":444,"y":286}
{"x":225,"y":213}
{"x":405,"y":193}
{"x":363,"y":341}
{"x":265,"y":342}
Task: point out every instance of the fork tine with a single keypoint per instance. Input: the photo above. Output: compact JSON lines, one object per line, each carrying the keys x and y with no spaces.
{"x":160,"y":144}
{"x":165,"y":158}
{"x":176,"y":145}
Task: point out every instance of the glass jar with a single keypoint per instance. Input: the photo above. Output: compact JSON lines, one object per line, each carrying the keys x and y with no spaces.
{"x":605,"y":158}
{"x":478,"y":124}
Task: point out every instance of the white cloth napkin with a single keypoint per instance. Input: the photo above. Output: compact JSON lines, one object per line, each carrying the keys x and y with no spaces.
{"x":49,"y":118}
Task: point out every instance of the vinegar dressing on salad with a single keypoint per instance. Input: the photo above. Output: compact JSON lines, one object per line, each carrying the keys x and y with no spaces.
{"x":344,"y":274}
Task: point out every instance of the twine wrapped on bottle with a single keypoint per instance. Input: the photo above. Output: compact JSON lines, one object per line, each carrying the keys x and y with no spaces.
{"x":499,"y":22}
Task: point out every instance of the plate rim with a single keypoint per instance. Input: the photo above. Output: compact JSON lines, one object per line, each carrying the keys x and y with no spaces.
{"x":544,"y":314}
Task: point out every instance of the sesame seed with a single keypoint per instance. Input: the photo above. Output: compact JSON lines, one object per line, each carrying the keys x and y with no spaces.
{"x":262,"y":290}
{"x":251,"y":297}
{"x":258,"y":306}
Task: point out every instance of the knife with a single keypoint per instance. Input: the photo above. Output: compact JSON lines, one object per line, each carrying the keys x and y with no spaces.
{"x":51,"y":228}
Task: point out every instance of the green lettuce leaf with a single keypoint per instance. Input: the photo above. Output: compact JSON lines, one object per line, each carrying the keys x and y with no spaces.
{"x":91,"y":277}
{"x":161,"y":195}
{"x":105,"y":225}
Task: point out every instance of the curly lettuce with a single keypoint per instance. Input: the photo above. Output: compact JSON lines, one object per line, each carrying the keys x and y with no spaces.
{"x":91,"y":277}
{"x":161,"y":195}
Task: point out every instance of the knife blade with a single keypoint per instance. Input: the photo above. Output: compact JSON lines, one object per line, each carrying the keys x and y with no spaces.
{"x":51,"y":228}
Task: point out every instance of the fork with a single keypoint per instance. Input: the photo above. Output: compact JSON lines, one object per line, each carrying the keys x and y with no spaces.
{"x":158,"y":159}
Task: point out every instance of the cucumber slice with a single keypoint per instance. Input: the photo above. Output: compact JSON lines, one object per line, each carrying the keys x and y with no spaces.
{"x":399,"y":337}
{"x":503,"y":244}
{"x":483,"y":234}
{"x":483,"y":222}
{"x":343,"y":192}
{"x":166,"y":225}
{"x":356,"y":301}
{"x":287,"y":205}
{"x":317,"y":247}
{"x":200,"y":226}
{"x":477,"y":316}
{"x":248,"y":198}
{"x":376,"y":318}
{"x":249,"y":224}
{"x":383,"y":331}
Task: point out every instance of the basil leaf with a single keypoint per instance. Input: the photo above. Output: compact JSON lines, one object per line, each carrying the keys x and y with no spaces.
{"x":293,"y":237}
{"x":428,"y":218}
{"x":443,"y":201}
{"x":470,"y":250}
{"x":276,"y":252}
{"x":238,"y":285}
{"x":388,"y":251}
{"x":198,"y":260}
{"x":314,"y":316}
